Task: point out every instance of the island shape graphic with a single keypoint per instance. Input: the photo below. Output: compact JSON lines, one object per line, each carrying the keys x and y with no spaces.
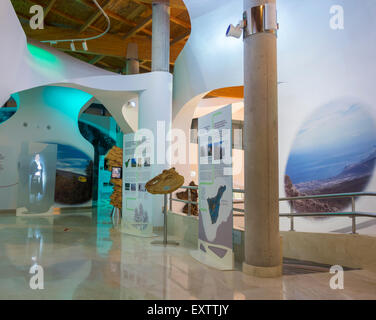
{"x":214,"y":204}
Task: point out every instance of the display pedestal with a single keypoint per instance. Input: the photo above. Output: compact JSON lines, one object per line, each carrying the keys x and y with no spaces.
{"x":211,"y":262}
{"x":165,"y":242}
{"x":207,"y":256}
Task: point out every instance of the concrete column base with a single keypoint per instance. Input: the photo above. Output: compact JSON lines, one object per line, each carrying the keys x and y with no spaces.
{"x":262,"y":272}
{"x":266,"y":272}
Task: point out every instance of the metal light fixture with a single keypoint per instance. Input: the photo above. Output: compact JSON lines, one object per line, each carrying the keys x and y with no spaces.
{"x":235,"y":32}
{"x":257,"y":19}
{"x":84,"y":44}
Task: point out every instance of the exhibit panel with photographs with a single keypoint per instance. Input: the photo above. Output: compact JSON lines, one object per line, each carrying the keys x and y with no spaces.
{"x":137,"y":202}
{"x":215,"y":189}
{"x":37,"y":175}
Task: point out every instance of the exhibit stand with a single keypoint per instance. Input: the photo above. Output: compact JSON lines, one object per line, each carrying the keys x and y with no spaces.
{"x":215,"y":246}
{"x":137,"y":202}
{"x":164,"y":184}
{"x":165,"y":241}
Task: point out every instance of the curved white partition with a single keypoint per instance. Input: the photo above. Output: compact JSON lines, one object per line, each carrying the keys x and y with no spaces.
{"x":210,"y":60}
{"x":45,"y":115}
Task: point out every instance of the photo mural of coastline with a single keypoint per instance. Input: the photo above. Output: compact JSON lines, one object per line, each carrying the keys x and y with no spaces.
{"x":74,"y":174}
{"x":5,"y":115}
{"x":334,"y":152}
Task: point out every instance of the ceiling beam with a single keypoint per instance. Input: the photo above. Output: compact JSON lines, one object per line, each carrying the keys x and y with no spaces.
{"x":114,"y":16}
{"x":137,"y":11}
{"x":66,"y":16}
{"x":180,"y":22}
{"x":112,"y":44}
{"x":143,"y":24}
{"x":180,"y":38}
{"x":172,"y":63}
{"x":108,"y":45}
{"x":96,"y":59}
{"x":94,"y":17}
{"x":49,"y":7}
{"x":145,"y":68}
{"x":177,"y":4}
{"x":173,"y":19}
{"x":108,"y":67}
{"x":126,"y":21}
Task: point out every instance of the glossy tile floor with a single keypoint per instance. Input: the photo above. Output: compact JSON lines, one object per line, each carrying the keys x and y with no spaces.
{"x":87,"y":258}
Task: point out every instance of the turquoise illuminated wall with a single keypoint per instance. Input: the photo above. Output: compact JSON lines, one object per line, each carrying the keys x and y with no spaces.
{"x":50,"y":115}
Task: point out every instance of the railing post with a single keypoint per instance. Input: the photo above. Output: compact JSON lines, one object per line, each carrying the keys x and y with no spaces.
{"x":189,"y":202}
{"x":170,"y":202}
{"x":292,"y":217}
{"x":353,"y":216}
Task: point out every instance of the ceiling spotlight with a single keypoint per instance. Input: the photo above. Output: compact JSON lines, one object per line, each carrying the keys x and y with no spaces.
{"x":235,"y":32}
{"x":84,"y":46}
{"x":73,"y":48}
{"x":132,"y":104}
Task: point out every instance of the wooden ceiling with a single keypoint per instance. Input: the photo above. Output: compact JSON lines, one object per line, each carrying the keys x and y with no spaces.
{"x":230,"y":92}
{"x":131,"y":22}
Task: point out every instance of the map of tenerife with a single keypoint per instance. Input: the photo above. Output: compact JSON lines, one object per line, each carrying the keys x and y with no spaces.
{"x":214,"y":204}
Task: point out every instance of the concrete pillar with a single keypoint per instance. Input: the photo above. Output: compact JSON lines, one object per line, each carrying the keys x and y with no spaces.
{"x":133,"y":64}
{"x":262,"y":239}
{"x":155,"y":103}
{"x":155,"y":106}
{"x":161,"y":36}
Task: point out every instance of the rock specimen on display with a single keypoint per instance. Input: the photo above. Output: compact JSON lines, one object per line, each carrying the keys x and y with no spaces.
{"x":114,"y":158}
{"x":166,"y":182}
{"x":183,"y":195}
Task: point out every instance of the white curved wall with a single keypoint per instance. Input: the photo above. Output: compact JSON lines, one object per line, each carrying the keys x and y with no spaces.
{"x":316,"y":64}
{"x":13,"y":39}
{"x":31,"y":64}
{"x":210,"y":60}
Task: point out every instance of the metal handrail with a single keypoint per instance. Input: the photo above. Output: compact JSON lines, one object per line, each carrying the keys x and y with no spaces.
{"x":352,"y":214}
{"x":189,"y":187}
{"x":329,"y":214}
{"x":331,"y":196}
{"x":189,"y":201}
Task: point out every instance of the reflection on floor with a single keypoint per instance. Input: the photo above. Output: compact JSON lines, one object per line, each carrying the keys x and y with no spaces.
{"x":85,"y":257}
{"x":293,"y":266}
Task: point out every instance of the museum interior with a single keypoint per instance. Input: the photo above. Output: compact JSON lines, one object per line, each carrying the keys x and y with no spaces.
{"x":187,"y":149}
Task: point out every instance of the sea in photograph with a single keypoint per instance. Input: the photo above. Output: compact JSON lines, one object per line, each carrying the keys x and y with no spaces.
{"x":74,"y":174}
